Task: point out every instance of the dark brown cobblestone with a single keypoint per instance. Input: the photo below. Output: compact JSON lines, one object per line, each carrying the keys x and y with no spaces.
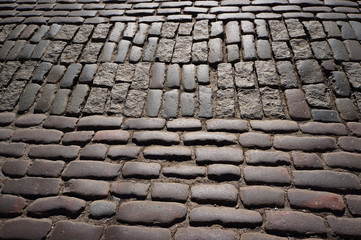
{"x":68,"y":230}
{"x":136,"y":233}
{"x":290,"y":221}
{"x":315,"y":200}
{"x":11,"y":205}
{"x":151,"y":213}
{"x":32,"y":186}
{"x":31,"y":228}
{"x":56,"y":205}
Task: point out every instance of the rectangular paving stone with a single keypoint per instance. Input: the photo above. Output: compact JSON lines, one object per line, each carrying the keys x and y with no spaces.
{"x":134,"y":103}
{"x":272,"y":103}
{"x":266,"y":73}
{"x":232,"y":30}
{"x":187,"y":104}
{"x":267,"y":175}
{"x":182,"y":50}
{"x":286,"y":74}
{"x":295,"y":28}
{"x":32,"y":186}
{"x":154,"y":102}
{"x":244,"y":75}
{"x":117,"y":97}
{"x":11,"y":95}
{"x":205,"y":102}
{"x":165,"y":50}
{"x":317,"y":96}
{"x":141,"y":76}
{"x":215,"y":50}
{"x":46,"y":99}
{"x":77,"y":99}
{"x":325,"y":179}
{"x":261,"y":28}
{"x":224,"y":194}
{"x":338,"y":49}
{"x":249,"y":47}
{"x":100,"y":32}
{"x":70,"y":75}
{"x":304,"y":143}
{"x":60,"y":101}
{"x":188,"y":77}
{"x":27,"y":51}
{"x":309,"y":71}
{"x":40,"y":49}
{"x":91,"y":52}
{"x":352,"y":71}
{"x":302,"y":223}
{"x":199,"y":52}
{"x":301,"y":48}
{"x":71,"y":53}
{"x":297,"y":106}
{"x":149,"y":51}
{"x":96,"y":101}
{"x":141,"y":34}
{"x":87,"y":73}
{"x":117,"y":31}
{"x":105,"y":75}
{"x":158,"y":75}
{"x":225,"y":76}
{"x":85,"y":188}
{"x":53,"y":51}
{"x":249,"y":103}
{"x":91,"y":169}
{"x":83,"y":33}
{"x":129,"y":232}
{"x":15,"y":51}
{"x":12,"y":149}
{"x":204,"y":233}
{"x":25,"y":71}
{"x":354,"y":48}
{"x":262,"y":196}
{"x":321,"y":50}
{"x":33,"y":228}
{"x":342,"y":160}
{"x":170,"y":103}
{"x":347,"y":227}
{"x":55,"y":74}
{"x":278,"y":30}
{"x":68,"y":229}
{"x":5,"y":49}
{"x":225,"y":103}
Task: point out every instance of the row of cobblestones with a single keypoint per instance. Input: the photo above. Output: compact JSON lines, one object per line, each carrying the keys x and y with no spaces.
{"x":173,"y":42}
{"x":184,"y":174}
{"x":250,"y":90}
{"x":126,"y":11}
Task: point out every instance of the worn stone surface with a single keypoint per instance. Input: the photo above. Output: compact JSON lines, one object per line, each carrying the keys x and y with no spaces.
{"x":182,"y":120}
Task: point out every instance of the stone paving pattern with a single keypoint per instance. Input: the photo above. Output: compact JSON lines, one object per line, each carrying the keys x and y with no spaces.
{"x":183,"y":120}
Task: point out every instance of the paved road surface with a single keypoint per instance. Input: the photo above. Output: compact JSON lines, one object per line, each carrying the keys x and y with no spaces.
{"x":183,"y":120}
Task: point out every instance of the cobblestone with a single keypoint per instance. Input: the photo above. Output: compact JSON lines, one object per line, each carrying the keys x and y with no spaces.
{"x":33,"y":228}
{"x":262,"y":196}
{"x":306,"y":223}
{"x":315,"y":200}
{"x":59,"y":205}
{"x":67,"y":229}
{"x":150,"y":213}
{"x":204,"y":233}
{"x":224,"y":194}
